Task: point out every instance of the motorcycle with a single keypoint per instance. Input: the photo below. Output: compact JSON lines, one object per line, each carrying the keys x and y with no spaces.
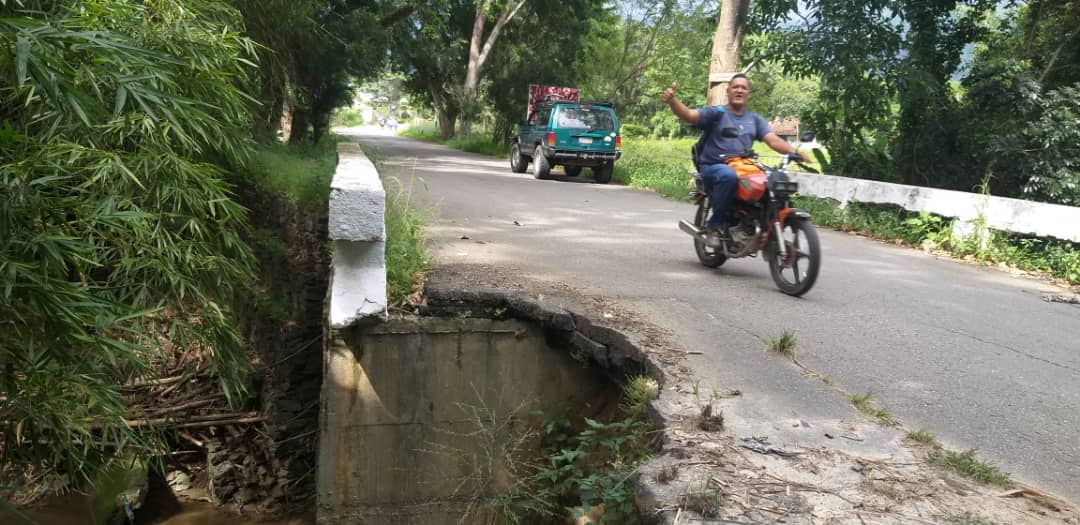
{"x":762,"y":219}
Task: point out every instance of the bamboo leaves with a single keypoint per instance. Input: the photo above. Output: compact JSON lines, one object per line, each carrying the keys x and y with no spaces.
{"x":118,"y":237}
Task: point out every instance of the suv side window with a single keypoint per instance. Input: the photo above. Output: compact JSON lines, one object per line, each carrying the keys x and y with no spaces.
{"x":545,"y":115}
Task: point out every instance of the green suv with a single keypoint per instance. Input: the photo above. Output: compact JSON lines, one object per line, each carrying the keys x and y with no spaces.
{"x":570,"y":134}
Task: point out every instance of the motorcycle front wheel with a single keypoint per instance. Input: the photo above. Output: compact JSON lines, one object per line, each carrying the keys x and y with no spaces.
{"x":795,"y":271}
{"x":709,"y":257}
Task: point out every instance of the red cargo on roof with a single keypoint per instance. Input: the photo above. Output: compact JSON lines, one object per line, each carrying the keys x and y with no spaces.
{"x":540,"y":92}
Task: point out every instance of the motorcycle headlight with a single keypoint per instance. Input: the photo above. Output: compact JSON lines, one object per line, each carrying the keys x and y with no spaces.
{"x":786,"y":187}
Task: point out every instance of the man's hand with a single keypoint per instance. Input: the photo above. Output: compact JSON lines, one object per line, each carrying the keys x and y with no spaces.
{"x":805,"y":158}
{"x":669,"y":94}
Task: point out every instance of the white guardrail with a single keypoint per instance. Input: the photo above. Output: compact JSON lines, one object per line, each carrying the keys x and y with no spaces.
{"x":999,"y":213}
{"x":357,"y":231}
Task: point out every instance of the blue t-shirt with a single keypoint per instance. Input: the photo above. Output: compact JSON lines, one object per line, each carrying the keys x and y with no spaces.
{"x":714,"y":118}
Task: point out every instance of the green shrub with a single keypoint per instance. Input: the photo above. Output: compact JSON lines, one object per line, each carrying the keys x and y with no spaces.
{"x":347,"y":117}
{"x":588,"y":466}
{"x":633,"y":131}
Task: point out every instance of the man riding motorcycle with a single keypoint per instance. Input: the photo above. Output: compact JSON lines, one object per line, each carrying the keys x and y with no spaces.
{"x":720,"y":179}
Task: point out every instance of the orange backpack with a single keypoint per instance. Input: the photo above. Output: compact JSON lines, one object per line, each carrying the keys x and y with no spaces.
{"x":751,"y":179}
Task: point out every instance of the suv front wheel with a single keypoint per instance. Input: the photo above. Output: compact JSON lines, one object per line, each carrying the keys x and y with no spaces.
{"x":541,"y":166}
{"x":518,"y":162}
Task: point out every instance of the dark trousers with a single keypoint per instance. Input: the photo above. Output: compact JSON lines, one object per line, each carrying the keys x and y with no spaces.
{"x":721,"y":182}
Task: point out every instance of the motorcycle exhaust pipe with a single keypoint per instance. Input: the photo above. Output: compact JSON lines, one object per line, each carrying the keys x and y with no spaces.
{"x":690,"y":228}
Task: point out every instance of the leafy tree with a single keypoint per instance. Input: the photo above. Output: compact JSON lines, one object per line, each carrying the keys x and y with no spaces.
{"x":777,"y":95}
{"x":937,"y":32}
{"x":629,"y":53}
{"x":312,"y":52}
{"x":548,"y":35}
{"x":1054,"y":152}
{"x":430,"y":48}
{"x":118,"y":238}
{"x":854,"y":45}
{"x":1019,"y":111}
{"x":1048,"y":34}
{"x":480,"y":46}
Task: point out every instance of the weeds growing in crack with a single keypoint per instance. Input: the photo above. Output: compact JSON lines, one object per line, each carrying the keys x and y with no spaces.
{"x":819,"y":376}
{"x":699,"y":497}
{"x":969,"y":519}
{"x":710,"y":418}
{"x":865,"y":404}
{"x":924,"y":437}
{"x":967,"y":465}
{"x":784,"y":345}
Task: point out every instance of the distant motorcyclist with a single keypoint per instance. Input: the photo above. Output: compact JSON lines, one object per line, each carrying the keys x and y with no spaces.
{"x":720,"y":179}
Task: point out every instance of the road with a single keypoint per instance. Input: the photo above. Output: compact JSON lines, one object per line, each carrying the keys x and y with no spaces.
{"x":971,"y":354}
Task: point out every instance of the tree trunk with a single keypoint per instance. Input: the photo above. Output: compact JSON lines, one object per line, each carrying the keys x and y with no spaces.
{"x":727,"y":44}
{"x":320,"y":124}
{"x":443,"y":116}
{"x":478,"y":54}
{"x":300,"y":122}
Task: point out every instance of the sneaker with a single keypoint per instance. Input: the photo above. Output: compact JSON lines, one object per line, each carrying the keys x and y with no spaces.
{"x":714,"y":238}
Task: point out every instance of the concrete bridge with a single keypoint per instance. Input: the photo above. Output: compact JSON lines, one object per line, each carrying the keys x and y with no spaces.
{"x":406,"y":401}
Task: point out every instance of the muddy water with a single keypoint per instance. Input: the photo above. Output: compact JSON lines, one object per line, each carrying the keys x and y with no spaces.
{"x":73,"y":510}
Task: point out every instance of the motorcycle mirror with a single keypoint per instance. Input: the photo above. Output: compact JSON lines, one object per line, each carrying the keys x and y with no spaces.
{"x":729,"y":133}
{"x":806,"y":136}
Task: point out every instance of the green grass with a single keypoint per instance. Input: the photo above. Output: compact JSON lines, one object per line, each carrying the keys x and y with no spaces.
{"x":865,"y":404}
{"x":479,"y":142}
{"x":963,"y":463}
{"x":967,"y":465}
{"x":407,"y":262}
{"x":783,"y":345}
{"x":660,"y":165}
{"x":924,"y":437}
{"x":303,"y":172}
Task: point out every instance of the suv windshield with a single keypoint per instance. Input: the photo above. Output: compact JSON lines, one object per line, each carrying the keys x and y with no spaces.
{"x":584,"y":118}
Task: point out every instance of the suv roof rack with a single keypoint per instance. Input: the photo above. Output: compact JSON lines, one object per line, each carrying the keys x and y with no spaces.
{"x":552,"y":99}
{"x":605,"y":102}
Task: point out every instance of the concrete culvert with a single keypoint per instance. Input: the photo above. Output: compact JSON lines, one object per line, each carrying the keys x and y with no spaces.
{"x":456,"y":415}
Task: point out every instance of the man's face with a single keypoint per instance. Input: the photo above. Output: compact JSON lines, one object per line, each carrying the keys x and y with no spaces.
{"x":738,"y":91}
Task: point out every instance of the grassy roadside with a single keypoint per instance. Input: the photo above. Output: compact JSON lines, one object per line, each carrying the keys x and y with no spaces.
{"x":479,"y":142}
{"x":304,"y":173}
{"x":407,"y":262}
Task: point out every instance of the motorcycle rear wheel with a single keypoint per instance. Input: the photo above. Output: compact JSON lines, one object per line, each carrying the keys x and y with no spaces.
{"x":709,"y":257}
{"x":795,"y":272}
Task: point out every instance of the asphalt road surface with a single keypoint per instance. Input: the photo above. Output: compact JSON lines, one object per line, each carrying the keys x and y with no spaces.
{"x":971,"y":354}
